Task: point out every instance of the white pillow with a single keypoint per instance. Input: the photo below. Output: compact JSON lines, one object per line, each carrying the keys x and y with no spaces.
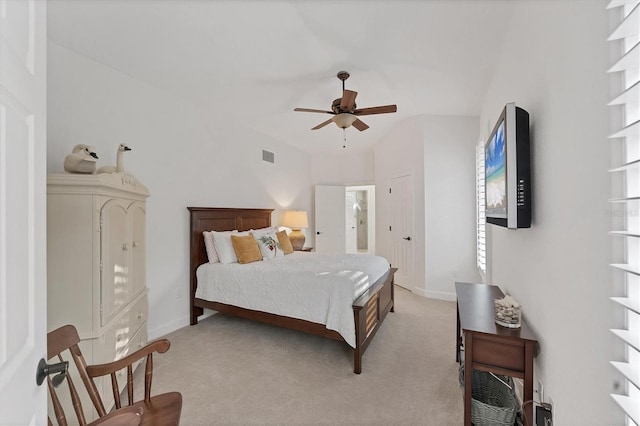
{"x":224,"y":248}
{"x":268,"y":243}
{"x":267,"y":229}
{"x":212,"y":254}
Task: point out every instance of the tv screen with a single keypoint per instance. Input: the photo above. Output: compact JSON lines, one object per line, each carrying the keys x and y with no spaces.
{"x":495,"y":163}
{"x":507,"y":170}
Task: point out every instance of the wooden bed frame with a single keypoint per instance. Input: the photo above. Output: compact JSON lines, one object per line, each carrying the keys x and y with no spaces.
{"x":369,"y":310}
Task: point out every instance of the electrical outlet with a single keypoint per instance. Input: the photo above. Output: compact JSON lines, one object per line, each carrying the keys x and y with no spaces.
{"x":544,"y":415}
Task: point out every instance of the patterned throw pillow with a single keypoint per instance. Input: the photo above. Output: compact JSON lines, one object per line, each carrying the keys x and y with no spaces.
{"x":269,"y":244}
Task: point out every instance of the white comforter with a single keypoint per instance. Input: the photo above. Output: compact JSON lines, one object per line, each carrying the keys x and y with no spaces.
{"x":315,"y":287}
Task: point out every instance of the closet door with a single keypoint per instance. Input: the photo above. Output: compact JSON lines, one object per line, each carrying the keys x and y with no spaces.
{"x":137,"y":215}
{"x":330,"y":221}
{"x":23,"y":202}
{"x":115,"y":248}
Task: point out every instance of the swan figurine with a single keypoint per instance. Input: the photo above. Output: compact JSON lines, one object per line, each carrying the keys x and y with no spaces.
{"x":122,"y":148}
{"x":81,"y":160}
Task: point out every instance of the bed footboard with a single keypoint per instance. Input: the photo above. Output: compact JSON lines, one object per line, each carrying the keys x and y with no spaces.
{"x":369,"y":311}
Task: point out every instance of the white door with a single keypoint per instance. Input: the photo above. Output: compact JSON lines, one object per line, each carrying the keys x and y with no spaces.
{"x":402,"y":238}
{"x":330,"y":219}
{"x":23,"y":153}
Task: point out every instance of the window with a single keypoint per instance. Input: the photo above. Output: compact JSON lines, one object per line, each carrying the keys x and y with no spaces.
{"x":625,"y":202}
{"x":481,"y":256}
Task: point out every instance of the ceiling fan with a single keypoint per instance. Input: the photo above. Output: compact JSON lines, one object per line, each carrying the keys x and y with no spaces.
{"x":344,"y":110}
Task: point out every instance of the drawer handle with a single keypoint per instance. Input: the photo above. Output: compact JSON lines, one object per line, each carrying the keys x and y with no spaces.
{"x":135,"y":244}
{"x":140,"y":315}
{"x":125,"y":246}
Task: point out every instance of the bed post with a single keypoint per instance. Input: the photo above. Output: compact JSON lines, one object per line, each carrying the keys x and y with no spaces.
{"x":194,"y":239}
{"x":360,"y":332}
{"x":369,"y":310}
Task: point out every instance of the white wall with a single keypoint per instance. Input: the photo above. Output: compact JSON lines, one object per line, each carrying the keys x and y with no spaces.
{"x":439,"y":153}
{"x":400,"y":153}
{"x":553,"y":65}
{"x":184,"y":156}
{"x":450,"y":208}
{"x":343,"y":169}
{"x":339,"y":169}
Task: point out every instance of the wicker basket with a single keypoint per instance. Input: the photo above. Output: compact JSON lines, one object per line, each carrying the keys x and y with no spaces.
{"x":493,"y":403}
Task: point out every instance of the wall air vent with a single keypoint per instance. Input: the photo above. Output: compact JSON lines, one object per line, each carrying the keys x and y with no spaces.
{"x":268,"y":156}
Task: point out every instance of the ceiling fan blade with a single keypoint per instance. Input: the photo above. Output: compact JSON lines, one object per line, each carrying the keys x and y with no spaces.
{"x":314,"y":110}
{"x":360,"y":125}
{"x":376,"y":110}
{"x":324,"y":123}
{"x":348,"y":101}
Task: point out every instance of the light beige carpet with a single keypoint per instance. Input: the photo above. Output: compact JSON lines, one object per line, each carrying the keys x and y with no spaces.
{"x":233,"y":371}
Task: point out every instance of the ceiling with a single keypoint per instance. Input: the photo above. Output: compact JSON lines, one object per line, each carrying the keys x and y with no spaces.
{"x":255,"y":61}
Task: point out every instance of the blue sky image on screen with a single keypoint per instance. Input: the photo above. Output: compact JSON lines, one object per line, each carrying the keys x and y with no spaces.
{"x":495,"y":173}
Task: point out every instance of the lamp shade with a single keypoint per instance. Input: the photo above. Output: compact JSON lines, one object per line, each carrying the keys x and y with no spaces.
{"x":295,"y":219}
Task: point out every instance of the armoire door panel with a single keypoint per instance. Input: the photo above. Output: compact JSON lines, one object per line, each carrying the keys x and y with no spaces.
{"x":116,"y":255}
{"x":138,"y":270}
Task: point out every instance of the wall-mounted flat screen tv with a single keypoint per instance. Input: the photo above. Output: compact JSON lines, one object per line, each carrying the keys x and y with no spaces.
{"x":508,"y":171}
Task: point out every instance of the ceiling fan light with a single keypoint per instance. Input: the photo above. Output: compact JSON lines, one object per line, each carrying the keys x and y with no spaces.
{"x":344,"y":120}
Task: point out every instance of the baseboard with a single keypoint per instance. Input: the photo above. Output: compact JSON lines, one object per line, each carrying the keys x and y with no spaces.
{"x":169,"y":327}
{"x":419,"y":291}
{"x":440,"y":295}
{"x":174,"y":325}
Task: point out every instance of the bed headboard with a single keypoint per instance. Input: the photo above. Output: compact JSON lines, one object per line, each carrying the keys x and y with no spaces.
{"x":217,"y":219}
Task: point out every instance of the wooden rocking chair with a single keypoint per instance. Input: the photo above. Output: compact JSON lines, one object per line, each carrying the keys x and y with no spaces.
{"x":163,"y":409}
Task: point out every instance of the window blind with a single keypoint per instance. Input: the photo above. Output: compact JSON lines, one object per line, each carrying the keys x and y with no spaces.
{"x":481,"y":255}
{"x":625,"y":200}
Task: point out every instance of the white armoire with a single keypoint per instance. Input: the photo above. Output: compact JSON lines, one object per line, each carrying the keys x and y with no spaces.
{"x":96,"y":264}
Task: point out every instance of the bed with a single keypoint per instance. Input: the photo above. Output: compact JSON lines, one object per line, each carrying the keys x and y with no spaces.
{"x":369,"y":309}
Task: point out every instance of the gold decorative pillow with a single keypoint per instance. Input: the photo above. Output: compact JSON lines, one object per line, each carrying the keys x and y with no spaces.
{"x":285,"y":244}
{"x":246,"y":248}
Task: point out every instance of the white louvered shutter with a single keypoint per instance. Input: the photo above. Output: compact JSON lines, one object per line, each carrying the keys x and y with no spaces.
{"x":481,"y":257}
{"x":625,"y":202}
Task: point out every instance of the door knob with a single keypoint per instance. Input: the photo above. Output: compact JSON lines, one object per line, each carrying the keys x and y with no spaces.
{"x":407,"y":238}
{"x":318,"y":233}
{"x":45,"y":369}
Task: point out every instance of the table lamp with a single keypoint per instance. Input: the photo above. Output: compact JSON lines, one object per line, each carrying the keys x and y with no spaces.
{"x":296,"y":220}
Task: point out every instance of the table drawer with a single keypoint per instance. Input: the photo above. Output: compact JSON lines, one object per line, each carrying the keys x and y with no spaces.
{"x":502,"y":353}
